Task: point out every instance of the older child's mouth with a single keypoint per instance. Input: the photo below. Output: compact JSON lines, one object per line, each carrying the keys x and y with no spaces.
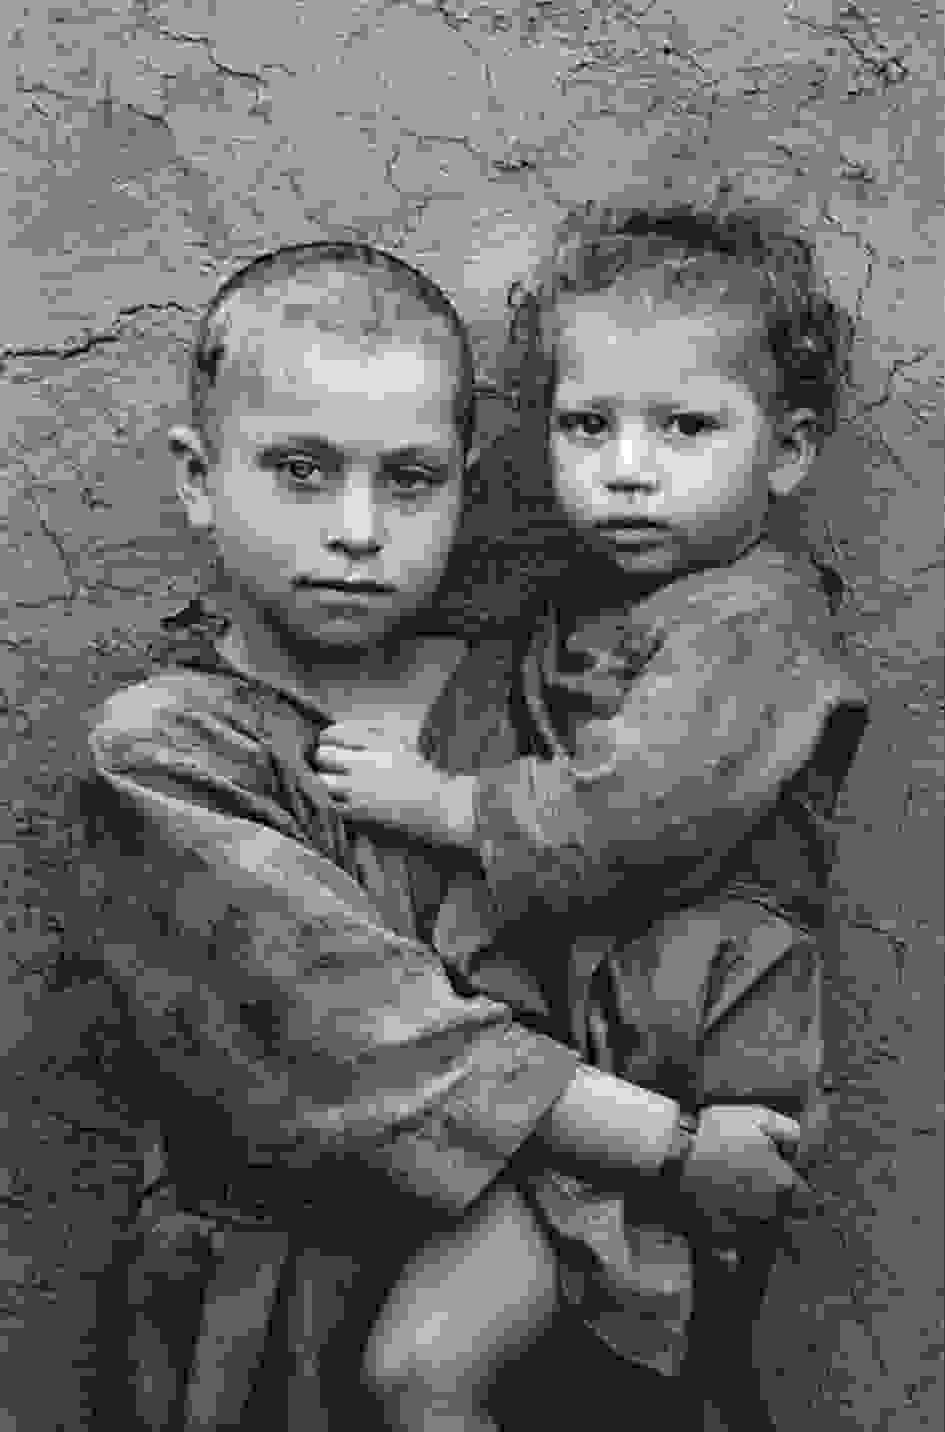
{"x":343,"y":589}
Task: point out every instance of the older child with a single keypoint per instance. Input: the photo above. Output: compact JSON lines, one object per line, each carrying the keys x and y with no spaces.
{"x":690,"y":726}
{"x":271,"y":951}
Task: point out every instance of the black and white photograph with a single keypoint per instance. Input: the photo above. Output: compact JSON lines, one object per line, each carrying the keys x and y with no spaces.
{"x":471,"y":689}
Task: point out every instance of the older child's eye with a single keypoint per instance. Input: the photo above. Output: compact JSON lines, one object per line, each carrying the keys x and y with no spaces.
{"x":692,"y":425}
{"x":582,"y":424}
{"x":299,"y":470}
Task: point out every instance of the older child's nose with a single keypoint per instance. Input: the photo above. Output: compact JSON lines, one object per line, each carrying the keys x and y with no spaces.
{"x":358,"y":525}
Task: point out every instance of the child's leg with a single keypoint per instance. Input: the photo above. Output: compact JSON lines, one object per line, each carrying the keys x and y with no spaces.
{"x":721,"y":1372}
{"x":467,"y":1303}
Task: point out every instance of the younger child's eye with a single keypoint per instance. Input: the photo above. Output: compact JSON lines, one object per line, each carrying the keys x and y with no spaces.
{"x":582,"y":424}
{"x":692,"y":425}
{"x":412,"y":481}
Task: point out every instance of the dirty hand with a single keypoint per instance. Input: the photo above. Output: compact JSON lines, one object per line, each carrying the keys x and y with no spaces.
{"x":371,"y":772}
{"x":739,"y":1170}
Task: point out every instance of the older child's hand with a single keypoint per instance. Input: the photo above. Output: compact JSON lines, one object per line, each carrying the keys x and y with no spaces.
{"x":739,"y":1169}
{"x":373,"y":773}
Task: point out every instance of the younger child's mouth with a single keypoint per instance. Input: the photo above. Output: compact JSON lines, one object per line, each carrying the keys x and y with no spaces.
{"x":634,"y":532}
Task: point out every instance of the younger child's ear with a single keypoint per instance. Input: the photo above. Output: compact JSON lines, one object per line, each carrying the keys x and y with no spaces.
{"x":190,"y":452}
{"x":796,"y":449}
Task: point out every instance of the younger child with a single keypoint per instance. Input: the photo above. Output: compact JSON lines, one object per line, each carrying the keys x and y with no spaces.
{"x":312,"y":1053}
{"x":690,"y":728}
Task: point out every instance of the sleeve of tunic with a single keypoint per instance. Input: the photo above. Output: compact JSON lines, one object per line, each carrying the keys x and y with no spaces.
{"x":263,"y":978}
{"x":732,"y":704}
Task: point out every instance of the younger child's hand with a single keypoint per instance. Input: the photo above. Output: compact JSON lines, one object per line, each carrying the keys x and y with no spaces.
{"x":739,"y":1169}
{"x":373,"y":773}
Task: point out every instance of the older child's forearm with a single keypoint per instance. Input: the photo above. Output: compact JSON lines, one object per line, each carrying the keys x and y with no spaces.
{"x":607,"y":1125}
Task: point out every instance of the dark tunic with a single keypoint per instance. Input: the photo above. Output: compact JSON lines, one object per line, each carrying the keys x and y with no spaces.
{"x":673,"y":829}
{"x":321,"y":1080}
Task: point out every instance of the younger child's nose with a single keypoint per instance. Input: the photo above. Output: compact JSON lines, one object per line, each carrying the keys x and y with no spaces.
{"x":629,"y":468}
{"x":627,"y":479}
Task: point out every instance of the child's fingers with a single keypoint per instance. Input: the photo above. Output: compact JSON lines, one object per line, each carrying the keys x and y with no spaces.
{"x":785,"y":1134}
{"x":336,"y":788}
{"x":331,"y":740}
{"x":360,"y":735}
{"x":332,"y":763}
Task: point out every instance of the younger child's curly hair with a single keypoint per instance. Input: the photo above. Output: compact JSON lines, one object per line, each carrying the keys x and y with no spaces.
{"x":807,"y":334}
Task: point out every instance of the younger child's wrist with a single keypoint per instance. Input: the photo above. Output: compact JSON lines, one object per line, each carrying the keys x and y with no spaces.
{"x":679,"y":1150}
{"x":459,"y":800}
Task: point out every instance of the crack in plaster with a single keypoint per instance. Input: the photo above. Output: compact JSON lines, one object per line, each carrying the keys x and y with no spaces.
{"x":899,"y":365}
{"x":73,"y":588}
{"x":505,"y":164}
{"x":888,"y":68}
{"x":929,"y":567}
{"x":419,"y":202}
{"x":92,"y":339}
{"x":605,"y":55}
{"x":870,"y":428}
{"x":840,"y":559}
{"x":461,"y":140}
{"x":858,"y":171}
{"x":257,"y":76}
{"x":884,"y":928}
{"x":455,"y":19}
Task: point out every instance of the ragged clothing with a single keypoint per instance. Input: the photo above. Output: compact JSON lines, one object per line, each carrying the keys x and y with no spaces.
{"x":290,"y":974}
{"x":672,"y":827}
{"x":273,"y":960}
{"x":664,"y":733}
{"x":321,"y":1081}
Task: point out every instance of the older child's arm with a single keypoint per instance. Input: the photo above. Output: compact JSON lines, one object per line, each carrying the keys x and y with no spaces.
{"x":726,"y":1170}
{"x":265,"y":983}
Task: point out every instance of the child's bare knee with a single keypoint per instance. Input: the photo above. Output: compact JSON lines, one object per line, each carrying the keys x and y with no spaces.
{"x":385,"y":1367}
{"x":398,"y":1368}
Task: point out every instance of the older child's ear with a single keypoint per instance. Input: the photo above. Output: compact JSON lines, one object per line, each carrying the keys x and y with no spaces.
{"x":190,"y":452}
{"x":796,"y":449}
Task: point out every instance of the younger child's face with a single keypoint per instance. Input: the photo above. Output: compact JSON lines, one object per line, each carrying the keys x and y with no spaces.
{"x":337,"y":490}
{"x":661,"y":451}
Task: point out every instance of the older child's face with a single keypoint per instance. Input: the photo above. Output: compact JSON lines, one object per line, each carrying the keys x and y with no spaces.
{"x":338,"y":486}
{"x":660,"y":450}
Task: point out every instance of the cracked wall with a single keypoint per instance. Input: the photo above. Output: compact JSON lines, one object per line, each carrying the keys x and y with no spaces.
{"x":148,"y":148}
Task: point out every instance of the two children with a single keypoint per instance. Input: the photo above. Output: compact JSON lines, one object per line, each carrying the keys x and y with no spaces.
{"x":276,"y":952}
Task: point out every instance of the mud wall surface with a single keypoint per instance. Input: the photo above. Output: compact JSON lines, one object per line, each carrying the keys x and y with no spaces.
{"x":147,"y":149}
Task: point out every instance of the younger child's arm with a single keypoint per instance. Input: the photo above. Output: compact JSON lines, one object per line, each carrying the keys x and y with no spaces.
{"x":703,"y":740}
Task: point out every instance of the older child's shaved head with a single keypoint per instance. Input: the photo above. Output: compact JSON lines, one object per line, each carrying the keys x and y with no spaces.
{"x":353,"y":291}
